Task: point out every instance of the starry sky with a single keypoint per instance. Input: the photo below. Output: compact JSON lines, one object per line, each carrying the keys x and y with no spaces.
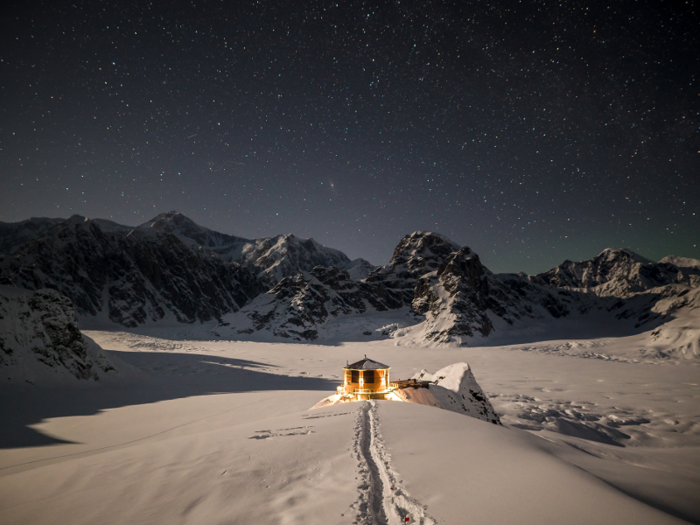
{"x":531,"y":131}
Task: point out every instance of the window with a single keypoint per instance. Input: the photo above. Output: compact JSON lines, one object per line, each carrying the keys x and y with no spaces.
{"x":355,"y":376}
{"x":368,"y":376}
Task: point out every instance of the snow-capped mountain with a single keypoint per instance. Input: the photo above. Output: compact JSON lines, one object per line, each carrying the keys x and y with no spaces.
{"x":274,"y":258}
{"x":416,"y":255}
{"x":298,"y":306}
{"x":171,"y":269}
{"x":229,"y":247}
{"x":15,"y":234}
{"x":270,"y":258}
{"x":40,"y":341}
{"x":445,"y":286}
{"x":617,"y":273}
{"x":681,"y":262}
{"x":168,"y":268}
{"x":461,"y":297}
{"x":129,"y":276}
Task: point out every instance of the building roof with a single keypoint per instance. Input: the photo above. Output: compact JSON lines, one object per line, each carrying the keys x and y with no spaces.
{"x":366,"y":364}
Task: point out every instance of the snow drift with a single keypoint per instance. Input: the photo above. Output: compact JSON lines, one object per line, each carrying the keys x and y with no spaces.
{"x":453,"y":388}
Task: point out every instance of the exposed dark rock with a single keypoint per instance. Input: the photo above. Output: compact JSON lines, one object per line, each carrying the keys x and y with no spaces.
{"x":416,"y":255}
{"x":298,"y":305}
{"x":39,"y":333}
{"x":459,"y":298}
{"x":129,"y":276}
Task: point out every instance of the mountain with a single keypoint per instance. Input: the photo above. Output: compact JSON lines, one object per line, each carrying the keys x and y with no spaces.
{"x":229,"y":247}
{"x":444,"y":287}
{"x":40,"y":341}
{"x":681,"y":262}
{"x":617,"y":273}
{"x":461,"y":297}
{"x":415,"y":255}
{"x":274,"y":258}
{"x":170,"y":269}
{"x":15,"y":234}
{"x":298,"y":306}
{"x":270,"y":258}
{"x":129,"y":276}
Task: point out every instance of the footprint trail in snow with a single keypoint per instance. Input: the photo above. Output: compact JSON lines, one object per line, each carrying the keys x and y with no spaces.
{"x":382,"y":501}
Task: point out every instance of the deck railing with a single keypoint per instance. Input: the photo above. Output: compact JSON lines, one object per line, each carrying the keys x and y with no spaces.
{"x":363,"y":391}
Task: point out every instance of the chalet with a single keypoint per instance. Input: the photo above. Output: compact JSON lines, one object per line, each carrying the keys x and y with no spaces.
{"x":366,"y":379}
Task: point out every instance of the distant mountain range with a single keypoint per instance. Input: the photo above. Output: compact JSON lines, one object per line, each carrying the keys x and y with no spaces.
{"x":172,"y":271}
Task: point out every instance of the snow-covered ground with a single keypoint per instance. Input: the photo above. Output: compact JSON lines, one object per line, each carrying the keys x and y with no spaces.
{"x":222,"y":432}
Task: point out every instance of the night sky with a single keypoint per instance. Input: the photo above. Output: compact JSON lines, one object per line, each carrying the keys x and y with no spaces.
{"x":532,"y":132}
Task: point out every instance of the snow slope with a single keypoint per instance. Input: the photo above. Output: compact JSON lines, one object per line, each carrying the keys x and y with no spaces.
{"x":455,"y":389}
{"x":220,"y":431}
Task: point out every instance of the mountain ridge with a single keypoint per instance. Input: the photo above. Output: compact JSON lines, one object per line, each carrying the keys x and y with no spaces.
{"x":170,"y":269}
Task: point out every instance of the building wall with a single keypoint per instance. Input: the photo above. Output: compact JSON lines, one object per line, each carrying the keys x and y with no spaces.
{"x":377,"y":386}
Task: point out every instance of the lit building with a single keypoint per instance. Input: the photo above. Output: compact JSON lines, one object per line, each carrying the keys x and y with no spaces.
{"x":366,"y":379}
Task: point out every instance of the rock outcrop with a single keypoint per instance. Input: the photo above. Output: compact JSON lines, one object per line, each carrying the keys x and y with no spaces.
{"x":40,"y":341}
{"x":461,"y":298}
{"x":298,"y":306}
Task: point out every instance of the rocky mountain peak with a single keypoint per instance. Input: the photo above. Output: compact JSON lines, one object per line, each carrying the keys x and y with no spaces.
{"x":273,"y":258}
{"x":76,"y":219}
{"x":618,"y":273}
{"x":615,"y":255}
{"x":419,"y":253}
{"x":175,"y":223}
{"x":169,"y":221}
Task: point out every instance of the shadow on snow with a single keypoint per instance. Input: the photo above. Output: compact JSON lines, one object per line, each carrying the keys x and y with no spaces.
{"x":165,"y":376}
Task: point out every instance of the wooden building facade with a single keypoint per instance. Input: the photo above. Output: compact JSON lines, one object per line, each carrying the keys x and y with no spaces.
{"x":366,"y":379}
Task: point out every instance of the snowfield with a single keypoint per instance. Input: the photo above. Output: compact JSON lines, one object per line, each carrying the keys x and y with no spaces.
{"x":191,"y":431}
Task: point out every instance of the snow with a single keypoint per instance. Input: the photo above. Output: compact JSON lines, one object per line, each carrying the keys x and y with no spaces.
{"x":681,"y":262}
{"x":454,"y":388}
{"x":222,"y":432}
{"x":591,"y":368}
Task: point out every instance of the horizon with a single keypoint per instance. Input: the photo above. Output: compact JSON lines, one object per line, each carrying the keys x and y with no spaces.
{"x":485,"y":261}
